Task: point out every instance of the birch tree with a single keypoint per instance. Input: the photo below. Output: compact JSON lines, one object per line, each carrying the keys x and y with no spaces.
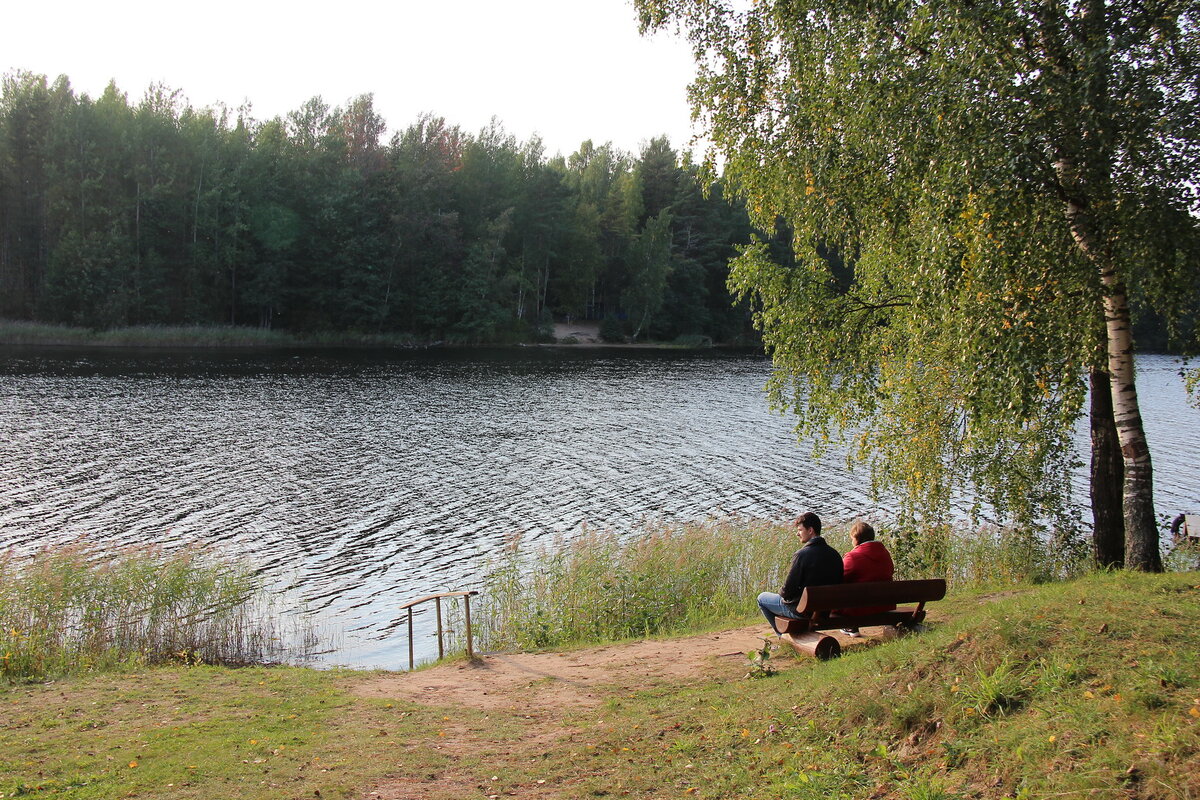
{"x":975,"y":188}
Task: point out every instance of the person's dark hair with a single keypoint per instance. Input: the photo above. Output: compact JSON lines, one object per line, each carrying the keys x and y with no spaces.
{"x":862,"y":532}
{"x":810,"y":520}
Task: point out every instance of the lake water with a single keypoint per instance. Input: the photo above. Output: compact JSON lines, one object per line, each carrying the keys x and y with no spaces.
{"x":364,"y":479}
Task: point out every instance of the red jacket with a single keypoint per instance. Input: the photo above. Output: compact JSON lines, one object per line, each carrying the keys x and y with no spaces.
{"x":870,"y":561}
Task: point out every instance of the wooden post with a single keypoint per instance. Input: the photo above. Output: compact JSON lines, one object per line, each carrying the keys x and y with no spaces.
{"x":814,"y":644}
{"x":467,"y":608}
{"x":438,"y":602}
{"x":410,"y":640}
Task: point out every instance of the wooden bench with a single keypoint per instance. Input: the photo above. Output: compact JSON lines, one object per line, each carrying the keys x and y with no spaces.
{"x":819,"y":609}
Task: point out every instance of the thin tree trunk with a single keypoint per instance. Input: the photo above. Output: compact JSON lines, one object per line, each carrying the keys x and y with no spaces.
{"x":1108,"y":534}
{"x":1141,"y":531}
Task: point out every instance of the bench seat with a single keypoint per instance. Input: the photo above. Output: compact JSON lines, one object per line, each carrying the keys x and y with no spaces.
{"x":820,"y":609}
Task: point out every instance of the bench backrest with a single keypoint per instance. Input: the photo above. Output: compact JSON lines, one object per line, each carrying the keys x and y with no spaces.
{"x":873,"y":593}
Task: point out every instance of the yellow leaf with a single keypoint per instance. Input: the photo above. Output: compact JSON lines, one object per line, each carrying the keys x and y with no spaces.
{"x":745,"y":732}
{"x":1089,"y":695}
{"x":132,"y":764}
{"x":1052,"y":738}
{"x":1195,"y":712}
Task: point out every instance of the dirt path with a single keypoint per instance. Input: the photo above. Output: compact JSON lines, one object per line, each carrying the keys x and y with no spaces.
{"x":541,"y":692}
{"x":571,"y":680}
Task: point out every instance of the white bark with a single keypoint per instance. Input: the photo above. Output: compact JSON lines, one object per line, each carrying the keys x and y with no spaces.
{"x":1141,"y":531}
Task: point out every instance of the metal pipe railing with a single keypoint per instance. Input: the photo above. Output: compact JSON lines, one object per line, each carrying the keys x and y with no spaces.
{"x":437,"y":599}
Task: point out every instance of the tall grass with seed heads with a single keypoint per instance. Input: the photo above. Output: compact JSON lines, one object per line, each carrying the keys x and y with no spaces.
{"x":664,"y":579}
{"x":79,"y":608}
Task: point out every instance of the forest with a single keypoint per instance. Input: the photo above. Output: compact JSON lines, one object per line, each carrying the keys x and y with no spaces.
{"x":115,"y":213}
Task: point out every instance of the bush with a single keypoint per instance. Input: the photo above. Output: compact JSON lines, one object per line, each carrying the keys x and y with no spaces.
{"x":611,"y":330}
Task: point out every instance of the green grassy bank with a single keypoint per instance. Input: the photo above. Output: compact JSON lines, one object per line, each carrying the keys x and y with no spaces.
{"x":1082,"y":688}
{"x":1085,"y":688}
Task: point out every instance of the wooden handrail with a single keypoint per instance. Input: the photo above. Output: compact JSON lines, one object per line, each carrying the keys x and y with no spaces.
{"x":429,"y":597}
{"x":437,"y":599}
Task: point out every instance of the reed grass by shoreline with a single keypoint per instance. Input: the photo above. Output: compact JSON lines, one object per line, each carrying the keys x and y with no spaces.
{"x":76,"y":608}
{"x":189,"y":336}
{"x":22,"y":333}
{"x":603,"y":587}
{"x":79,"y":608}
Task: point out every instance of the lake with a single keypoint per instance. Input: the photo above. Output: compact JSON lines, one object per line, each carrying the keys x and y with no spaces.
{"x":365,"y":478}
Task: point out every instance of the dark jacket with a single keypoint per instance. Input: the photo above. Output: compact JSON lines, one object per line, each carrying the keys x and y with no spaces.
{"x":870,"y":561}
{"x":815,"y":564}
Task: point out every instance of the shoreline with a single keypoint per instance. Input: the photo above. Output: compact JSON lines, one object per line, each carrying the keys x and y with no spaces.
{"x":203,"y":337}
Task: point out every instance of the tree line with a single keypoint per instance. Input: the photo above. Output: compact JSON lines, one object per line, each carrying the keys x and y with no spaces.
{"x":115,"y":213}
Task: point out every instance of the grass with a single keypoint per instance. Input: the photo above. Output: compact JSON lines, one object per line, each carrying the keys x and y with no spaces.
{"x":35,"y":333}
{"x":1081,"y":688}
{"x":603,"y":587}
{"x":79,"y":608}
{"x":1087,"y":688}
{"x":201,"y":732}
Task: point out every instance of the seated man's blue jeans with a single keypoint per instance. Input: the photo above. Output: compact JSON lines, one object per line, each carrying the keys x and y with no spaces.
{"x":772,"y":606}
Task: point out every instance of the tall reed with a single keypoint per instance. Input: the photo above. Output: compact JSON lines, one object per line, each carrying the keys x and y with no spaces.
{"x":666,"y":579}
{"x":73,"y":608}
{"x":16,"y":332}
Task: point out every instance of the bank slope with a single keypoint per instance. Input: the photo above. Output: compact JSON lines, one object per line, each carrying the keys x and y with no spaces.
{"x":1087,"y":688}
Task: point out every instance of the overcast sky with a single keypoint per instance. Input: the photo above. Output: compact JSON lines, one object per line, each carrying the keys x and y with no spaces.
{"x":564,"y":69}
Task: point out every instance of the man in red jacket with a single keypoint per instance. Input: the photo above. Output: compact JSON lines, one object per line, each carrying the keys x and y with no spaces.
{"x":868,"y":561}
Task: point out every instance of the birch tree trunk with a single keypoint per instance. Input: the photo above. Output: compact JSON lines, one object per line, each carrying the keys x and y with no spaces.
{"x":1108,"y":533}
{"x":1141,"y":532}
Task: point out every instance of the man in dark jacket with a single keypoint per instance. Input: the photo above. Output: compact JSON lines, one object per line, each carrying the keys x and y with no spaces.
{"x":815,"y":564}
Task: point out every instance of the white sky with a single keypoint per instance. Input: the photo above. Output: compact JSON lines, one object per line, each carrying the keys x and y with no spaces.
{"x":568,"y":70}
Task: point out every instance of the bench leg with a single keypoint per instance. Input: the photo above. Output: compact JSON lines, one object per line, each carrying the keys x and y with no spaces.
{"x":814,"y":644}
{"x":906,"y":628}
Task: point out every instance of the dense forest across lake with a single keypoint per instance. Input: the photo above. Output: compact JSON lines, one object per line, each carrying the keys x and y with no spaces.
{"x":115,"y":213}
